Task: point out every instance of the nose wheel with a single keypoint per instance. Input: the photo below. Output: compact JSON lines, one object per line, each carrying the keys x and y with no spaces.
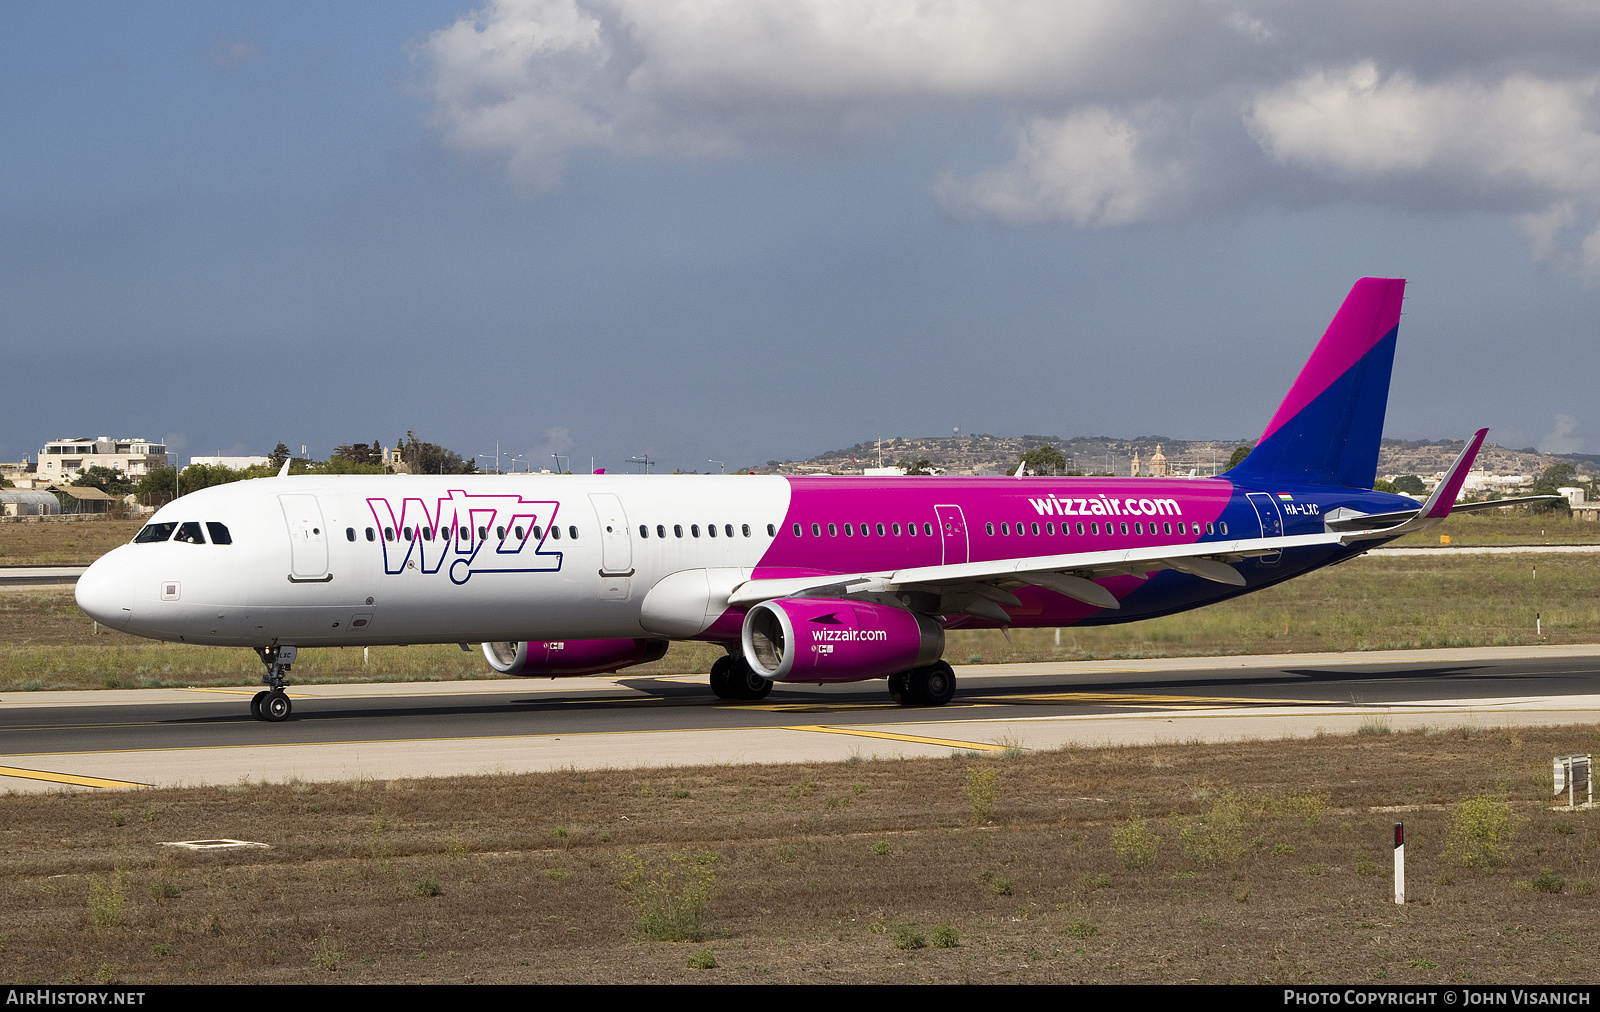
{"x":272,"y":703}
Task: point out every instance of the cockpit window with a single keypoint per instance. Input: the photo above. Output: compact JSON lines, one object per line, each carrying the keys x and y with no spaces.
{"x":154,"y":532}
{"x":189,"y":531}
{"x":219,"y":533}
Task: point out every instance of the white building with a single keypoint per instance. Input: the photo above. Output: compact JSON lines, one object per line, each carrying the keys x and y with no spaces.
{"x":237,"y":463}
{"x":63,"y":459}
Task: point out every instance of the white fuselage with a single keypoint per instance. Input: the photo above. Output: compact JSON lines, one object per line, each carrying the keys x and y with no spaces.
{"x":354,"y":560}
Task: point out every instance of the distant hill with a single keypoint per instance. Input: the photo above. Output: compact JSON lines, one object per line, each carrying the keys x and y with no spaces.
{"x":987,"y":454}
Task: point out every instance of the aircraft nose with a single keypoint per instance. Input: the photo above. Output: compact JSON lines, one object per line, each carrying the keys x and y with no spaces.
{"x":105,"y":591}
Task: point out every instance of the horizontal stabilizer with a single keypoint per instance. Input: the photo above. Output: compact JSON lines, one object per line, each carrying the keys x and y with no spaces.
{"x":1366,"y":521}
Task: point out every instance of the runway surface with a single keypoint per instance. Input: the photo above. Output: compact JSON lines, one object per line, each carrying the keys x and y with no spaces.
{"x":170,"y":737}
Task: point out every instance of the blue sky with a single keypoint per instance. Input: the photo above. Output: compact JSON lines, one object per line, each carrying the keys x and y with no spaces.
{"x":761,"y":230}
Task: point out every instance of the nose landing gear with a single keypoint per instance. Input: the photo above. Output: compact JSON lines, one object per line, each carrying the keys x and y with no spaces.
{"x":272,"y":703}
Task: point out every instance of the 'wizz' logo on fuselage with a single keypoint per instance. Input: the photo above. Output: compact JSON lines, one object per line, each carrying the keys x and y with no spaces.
{"x":466,"y":534}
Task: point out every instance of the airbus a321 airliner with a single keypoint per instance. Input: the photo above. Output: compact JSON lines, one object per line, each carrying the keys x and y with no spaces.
{"x":808,"y":579}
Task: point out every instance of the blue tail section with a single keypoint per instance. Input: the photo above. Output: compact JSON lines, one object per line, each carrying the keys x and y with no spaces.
{"x":1327,"y":430}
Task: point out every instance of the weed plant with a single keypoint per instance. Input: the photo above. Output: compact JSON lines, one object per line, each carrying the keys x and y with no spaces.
{"x":669,"y":896}
{"x":981,"y":791}
{"x":1481,"y":830}
{"x":1135,"y":844}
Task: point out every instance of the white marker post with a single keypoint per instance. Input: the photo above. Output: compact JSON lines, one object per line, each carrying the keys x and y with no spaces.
{"x":1400,"y":863}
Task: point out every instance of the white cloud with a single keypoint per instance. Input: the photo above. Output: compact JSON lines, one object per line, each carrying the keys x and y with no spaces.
{"x":1130,"y":111}
{"x":1563,"y":438}
{"x":1086,"y":168}
{"x":1513,"y":142}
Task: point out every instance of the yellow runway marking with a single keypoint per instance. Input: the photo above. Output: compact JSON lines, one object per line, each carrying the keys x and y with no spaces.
{"x":827,"y":707}
{"x":241,"y":692}
{"x":65,"y":778}
{"x":1142,"y":699}
{"x":971,"y":746}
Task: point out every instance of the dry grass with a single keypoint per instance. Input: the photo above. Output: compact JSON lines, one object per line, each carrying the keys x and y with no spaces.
{"x":465,"y":879}
{"x":63,"y":542}
{"x":1373,"y":603}
{"x":1497,"y":528}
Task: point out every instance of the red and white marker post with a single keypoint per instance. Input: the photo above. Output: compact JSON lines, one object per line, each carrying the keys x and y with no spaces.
{"x":1400,"y":863}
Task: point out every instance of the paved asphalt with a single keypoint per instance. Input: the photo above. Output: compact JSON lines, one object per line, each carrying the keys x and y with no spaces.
{"x":334,"y":714}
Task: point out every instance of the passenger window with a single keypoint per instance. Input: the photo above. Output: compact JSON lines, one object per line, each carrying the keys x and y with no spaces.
{"x":644,"y":531}
{"x":1005,"y":529}
{"x":728,"y":530}
{"x":816,"y":530}
{"x":896,"y":529}
{"x":880,"y":530}
{"x":848,"y":530}
{"x":1123,"y":527}
{"x":744,"y":529}
{"x":220,"y":536}
{"x":1094,"y":527}
{"x":694,"y":530}
{"x":388,"y":534}
{"x":1167,"y":528}
{"x":1079,"y":528}
{"x":371,"y":534}
{"x":349,"y":533}
{"x":661,"y":531}
{"x":555,"y":532}
{"x":772,"y":531}
{"x":500,"y":532}
{"x":1034,"y":528}
{"x":833,"y":531}
{"x":483,"y":534}
{"x":572,"y":532}
{"x":1222,"y":525}
{"x":711,"y":530}
{"x":1049,"y":528}
{"x":677,"y":530}
{"x":538,"y":533}
{"x":927,"y":529}
{"x":427,"y":534}
{"x":797,"y":530}
{"x":1138,"y":528}
{"x":520,"y":535}
{"x":407,"y":532}
{"x":911,"y":529}
{"x":466,"y":534}
{"x":154,"y":532}
{"x":989,"y":529}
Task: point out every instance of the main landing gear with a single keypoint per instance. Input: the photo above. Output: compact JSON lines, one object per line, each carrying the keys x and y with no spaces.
{"x":272,"y":703}
{"x":933,"y":685}
{"x":732,"y":678}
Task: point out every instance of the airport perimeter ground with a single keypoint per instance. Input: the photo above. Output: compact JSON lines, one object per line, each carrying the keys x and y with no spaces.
{"x":1248,"y":857}
{"x":1260,"y":861}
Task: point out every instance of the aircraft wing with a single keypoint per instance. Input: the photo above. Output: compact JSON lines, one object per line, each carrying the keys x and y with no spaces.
{"x":980,"y":588}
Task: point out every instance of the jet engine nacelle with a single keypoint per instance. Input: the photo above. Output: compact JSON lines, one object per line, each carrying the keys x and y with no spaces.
{"x":816,"y":639}
{"x":550,"y":658}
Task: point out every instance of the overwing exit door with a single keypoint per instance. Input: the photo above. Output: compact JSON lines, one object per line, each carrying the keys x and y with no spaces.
{"x":953,"y":529}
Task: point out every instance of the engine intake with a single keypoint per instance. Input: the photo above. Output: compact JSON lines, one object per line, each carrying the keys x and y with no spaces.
{"x":828,"y":640}
{"x":553,"y":658}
